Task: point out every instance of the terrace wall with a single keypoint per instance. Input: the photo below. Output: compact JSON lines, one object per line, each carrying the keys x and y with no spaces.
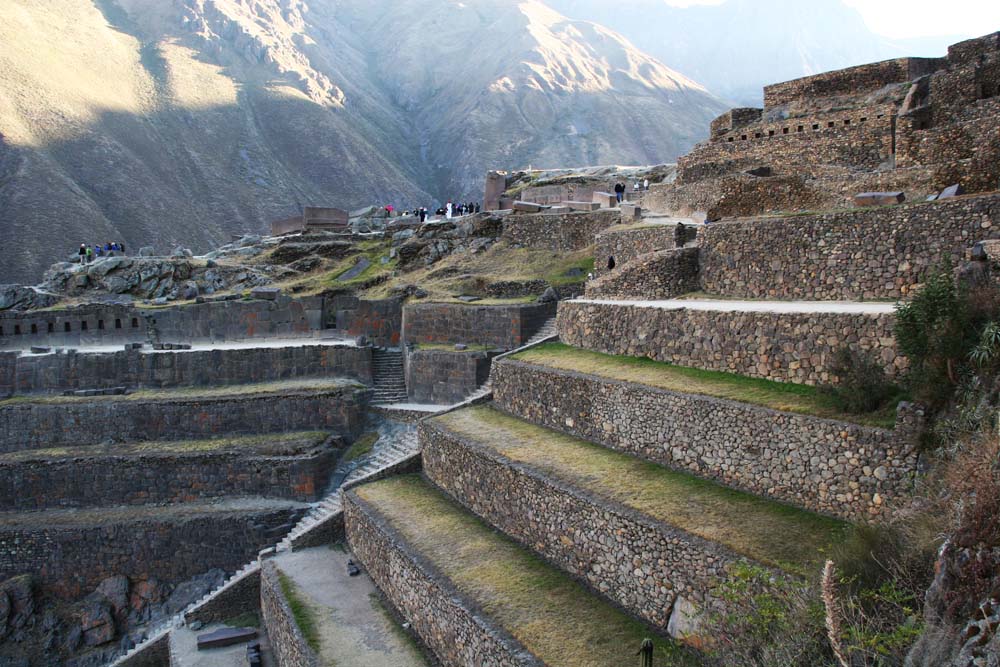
{"x":557,"y":232}
{"x":504,"y":326}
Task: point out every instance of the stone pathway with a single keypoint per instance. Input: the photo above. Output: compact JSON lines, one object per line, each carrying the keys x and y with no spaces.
{"x":354,"y":627}
{"x":270,"y":343}
{"x":184,"y":650}
{"x":722,"y":305}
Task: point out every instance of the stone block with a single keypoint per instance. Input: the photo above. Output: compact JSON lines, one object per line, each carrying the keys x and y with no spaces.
{"x":952,"y":191}
{"x":631,"y":212}
{"x":527,"y":207}
{"x":605,"y":199}
{"x":559,"y":210}
{"x":879,"y":198}
{"x":582,"y":205}
{"x":265,"y":293}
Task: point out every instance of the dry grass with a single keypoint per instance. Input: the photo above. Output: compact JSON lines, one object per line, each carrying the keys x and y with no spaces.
{"x":784,"y":396}
{"x":763,"y":530}
{"x":361,"y":447}
{"x":556,"y":618}
{"x":263,"y":388}
{"x":283,"y":444}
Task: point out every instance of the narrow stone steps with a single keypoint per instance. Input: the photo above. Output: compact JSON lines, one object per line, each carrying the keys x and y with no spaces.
{"x":472,"y":594}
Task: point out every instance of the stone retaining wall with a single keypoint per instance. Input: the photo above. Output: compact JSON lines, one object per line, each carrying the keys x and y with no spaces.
{"x":504,"y":326}
{"x":659,"y":275}
{"x":82,"y":325}
{"x":625,"y":244}
{"x":845,"y":470}
{"x":850,"y":81}
{"x":864,"y":253}
{"x":70,"y":560}
{"x":788,"y":347}
{"x":191,"y":368}
{"x":288,"y":645}
{"x":444,"y":378}
{"x":106,"y":479}
{"x":239,"y":320}
{"x":233,"y":599}
{"x":605,"y":544}
{"x":557,"y":232}
{"x":380,"y":321}
{"x":455,"y":631}
{"x":41,"y":425}
{"x":156,"y":654}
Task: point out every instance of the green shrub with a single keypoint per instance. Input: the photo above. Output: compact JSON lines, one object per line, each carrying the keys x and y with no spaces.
{"x":863,"y":386}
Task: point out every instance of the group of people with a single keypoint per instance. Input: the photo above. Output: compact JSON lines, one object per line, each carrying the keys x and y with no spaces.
{"x":88,"y":253}
{"x":449,"y":210}
{"x":620,"y":188}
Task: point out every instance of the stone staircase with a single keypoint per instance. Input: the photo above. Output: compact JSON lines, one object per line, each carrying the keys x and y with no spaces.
{"x":389,"y":375}
{"x":401,"y":444}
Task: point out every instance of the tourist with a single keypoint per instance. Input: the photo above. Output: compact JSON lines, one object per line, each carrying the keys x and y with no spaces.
{"x":423,"y":214}
{"x":645,"y":184}
{"x":611,"y":262}
{"x":90,"y":254}
{"x":447,"y":210}
{"x":83,"y":253}
{"x":388,"y":211}
{"x":477,"y":208}
{"x":635,"y":187}
{"x":619,"y":192}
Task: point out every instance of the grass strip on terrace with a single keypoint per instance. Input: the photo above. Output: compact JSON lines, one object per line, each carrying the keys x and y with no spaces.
{"x":361,"y":447}
{"x":553,"y":616}
{"x":764,"y":530}
{"x":281,"y":444}
{"x":784,"y":396}
{"x":303,"y":614}
{"x":239,"y":390}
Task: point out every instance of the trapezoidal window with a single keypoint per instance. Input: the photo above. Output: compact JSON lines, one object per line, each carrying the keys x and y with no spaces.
{"x":83,"y":325}
{"x":135,"y":323}
{"x":66,"y":327}
{"x":34,"y":328}
{"x":784,"y":130}
{"x":118,"y":324}
{"x":52,"y":327}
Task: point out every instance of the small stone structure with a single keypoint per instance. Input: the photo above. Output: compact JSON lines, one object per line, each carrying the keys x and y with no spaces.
{"x":559,"y":233}
{"x":502,"y":326}
{"x":659,"y":275}
{"x":445,"y":377}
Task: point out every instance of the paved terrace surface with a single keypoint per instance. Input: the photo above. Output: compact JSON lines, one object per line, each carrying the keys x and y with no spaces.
{"x":208,"y":346}
{"x":726,"y":306}
{"x":184,"y":650}
{"x":353,"y":626}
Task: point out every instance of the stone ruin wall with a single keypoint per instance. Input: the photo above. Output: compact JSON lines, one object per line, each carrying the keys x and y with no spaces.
{"x":442,"y":377}
{"x":71,"y":560}
{"x":873,"y":253}
{"x":135,"y":369}
{"x":557,"y":232}
{"x":455,"y":631}
{"x":627,"y":243}
{"x":138,"y":479}
{"x":848,"y":471}
{"x":858,"y":138}
{"x":381,"y":322}
{"x":585,"y":535}
{"x":288,"y":645}
{"x":83,"y":325}
{"x":505,"y":327}
{"x":236,"y":597}
{"x":665,"y":274}
{"x":792,"y":347}
{"x":339,"y":410}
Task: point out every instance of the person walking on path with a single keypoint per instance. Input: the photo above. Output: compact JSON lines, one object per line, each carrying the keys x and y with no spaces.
{"x":90,"y":254}
{"x":619,"y":192}
{"x":645,"y":185}
{"x":447,"y":210}
{"x":83,"y":253}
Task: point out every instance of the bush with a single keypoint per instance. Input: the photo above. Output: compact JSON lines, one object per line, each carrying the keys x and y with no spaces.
{"x":863,"y":386}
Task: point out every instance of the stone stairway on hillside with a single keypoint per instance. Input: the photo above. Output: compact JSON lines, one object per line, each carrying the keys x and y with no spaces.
{"x":398,"y":442}
{"x":389,"y":376}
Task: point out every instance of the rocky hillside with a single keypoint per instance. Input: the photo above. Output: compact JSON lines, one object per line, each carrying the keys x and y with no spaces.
{"x":187,"y":121}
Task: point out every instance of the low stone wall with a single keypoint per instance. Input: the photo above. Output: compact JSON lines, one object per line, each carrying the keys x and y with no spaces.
{"x":239,"y":320}
{"x":557,"y":232}
{"x":78,"y":422}
{"x":233,"y":599}
{"x":103,"y":479}
{"x":82,"y":325}
{"x":625,"y":244}
{"x":156,"y":654}
{"x":845,"y":470}
{"x":444,"y":378}
{"x":863,"y":253}
{"x":588,"y":536}
{"x":504,"y":326}
{"x":288,"y":645}
{"x":787,"y":347}
{"x":659,"y":275}
{"x":850,"y":81}
{"x":191,"y":368}
{"x":70,"y":560}
{"x":455,"y":631}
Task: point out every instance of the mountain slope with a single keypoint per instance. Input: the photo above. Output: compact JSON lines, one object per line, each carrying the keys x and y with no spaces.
{"x":186,"y":121}
{"x":738,"y":46}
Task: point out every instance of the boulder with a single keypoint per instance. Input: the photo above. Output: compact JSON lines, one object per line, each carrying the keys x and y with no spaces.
{"x":683,"y":623}
{"x":20,"y":592}
{"x":605,"y":199}
{"x":583,"y":205}
{"x":527,"y":207}
{"x":192,"y":590}
{"x":265,"y":293}
{"x":951,"y":191}
{"x":96,"y":622}
{"x":879,"y":198}
{"x":549,"y":296}
{"x":147,"y":251}
{"x":116,"y":591}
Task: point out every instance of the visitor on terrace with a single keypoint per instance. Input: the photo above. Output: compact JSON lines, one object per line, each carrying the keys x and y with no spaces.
{"x":619,"y":192}
{"x":83,"y":253}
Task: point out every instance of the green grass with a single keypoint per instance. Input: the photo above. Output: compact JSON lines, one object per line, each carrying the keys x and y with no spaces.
{"x":248,"y":619}
{"x":304,"y":615}
{"x":784,"y":396}
{"x":361,"y":447}
{"x":446,"y":347}
{"x":559,"y":278}
{"x":766,"y":531}
{"x":553,"y":616}
{"x":282,"y":444}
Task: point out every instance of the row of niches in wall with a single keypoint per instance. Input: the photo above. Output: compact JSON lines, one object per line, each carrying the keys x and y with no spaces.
{"x":67,"y":327}
{"x":796,"y":129}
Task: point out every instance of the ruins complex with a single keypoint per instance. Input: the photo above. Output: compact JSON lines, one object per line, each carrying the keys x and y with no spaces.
{"x":545,"y":481}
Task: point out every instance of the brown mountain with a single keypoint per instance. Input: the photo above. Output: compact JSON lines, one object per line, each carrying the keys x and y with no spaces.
{"x":186,"y":121}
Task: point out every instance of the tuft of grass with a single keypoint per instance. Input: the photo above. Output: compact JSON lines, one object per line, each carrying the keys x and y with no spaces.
{"x":304,"y":615}
{"x":361,"y":447}
{"x":555,"y":617}
{"x":784,"y":396}
{"x":764,"y":530}
{"x":248,"y":619}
